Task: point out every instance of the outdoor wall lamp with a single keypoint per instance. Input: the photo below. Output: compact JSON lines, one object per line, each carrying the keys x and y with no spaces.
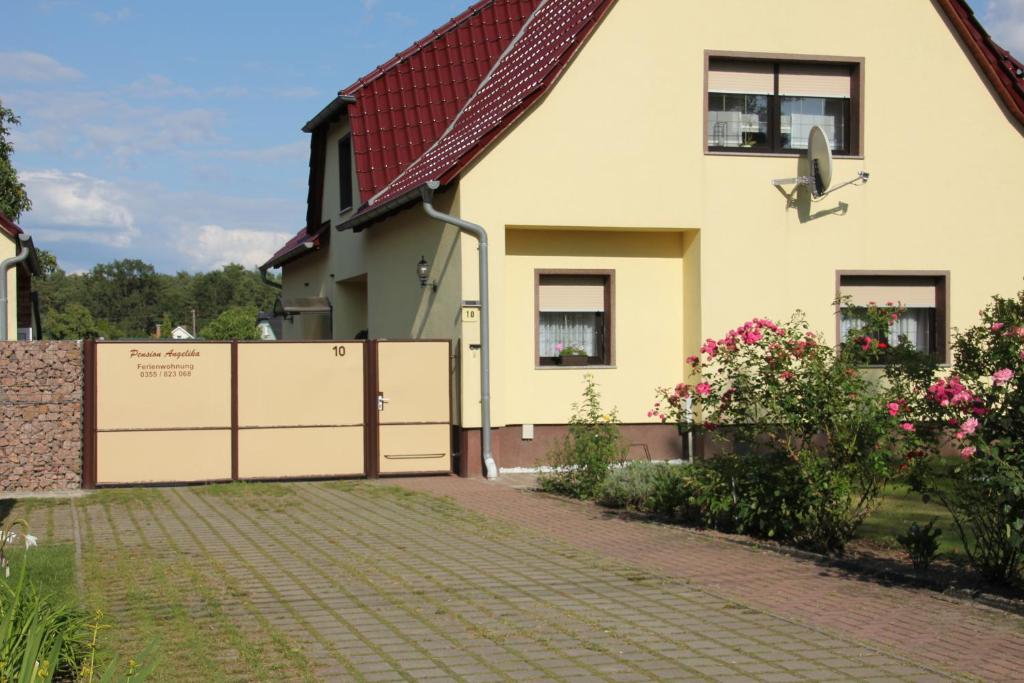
{"x":423,"y":273}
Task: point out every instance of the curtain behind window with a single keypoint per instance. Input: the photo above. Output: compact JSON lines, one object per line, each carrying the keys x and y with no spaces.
{"x":581,"y":330}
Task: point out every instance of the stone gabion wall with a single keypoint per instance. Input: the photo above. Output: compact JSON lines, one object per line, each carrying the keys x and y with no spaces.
{"x":41,"y":386}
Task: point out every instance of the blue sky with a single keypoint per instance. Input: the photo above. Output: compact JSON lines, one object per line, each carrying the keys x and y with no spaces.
{"x":170,"y":131}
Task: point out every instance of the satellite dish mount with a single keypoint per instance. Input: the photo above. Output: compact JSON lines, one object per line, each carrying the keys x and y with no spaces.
{"x":819,"y":159}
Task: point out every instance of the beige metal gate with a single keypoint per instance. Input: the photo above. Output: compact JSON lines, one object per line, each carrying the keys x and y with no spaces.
{"x":300,"y":410}
{"x":180,"y":412}
{"x":414,"y":416}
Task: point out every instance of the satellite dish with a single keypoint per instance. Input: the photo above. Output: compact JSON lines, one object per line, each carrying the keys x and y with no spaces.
{"x":819,"y":154}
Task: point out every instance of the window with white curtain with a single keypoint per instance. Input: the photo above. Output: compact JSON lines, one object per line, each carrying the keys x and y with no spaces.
{"x":923,"y":297}
{"x":573,"y":313}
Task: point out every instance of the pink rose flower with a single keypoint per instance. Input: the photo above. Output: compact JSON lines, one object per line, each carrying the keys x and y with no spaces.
{"x":786,"y":376}
{"x":704,"y":389}
{"x":969,"y":426}
{"x":559,"y":347}
{"x":968,"y":452}
{"x":893,"y":408}
{"x":907,"y":427}
{"x":693,"y":361}
{"x":997,"y":326}
{"x":1001,"y":377}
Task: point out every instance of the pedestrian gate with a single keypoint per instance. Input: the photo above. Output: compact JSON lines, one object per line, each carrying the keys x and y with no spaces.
{"x":181,"y":412}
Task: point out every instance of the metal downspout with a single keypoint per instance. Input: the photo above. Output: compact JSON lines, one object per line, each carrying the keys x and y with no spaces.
{"x":5,"y":266}
{"x":268,"y":281}
{"x":427,"y":192}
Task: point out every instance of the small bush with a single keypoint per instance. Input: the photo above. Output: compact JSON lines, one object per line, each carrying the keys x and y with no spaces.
{"x":760,"y":495}
{"x":630,"y":487}
{"x":921,"y":543}
{"x":657,"y":488}
{"x":592,"y":445}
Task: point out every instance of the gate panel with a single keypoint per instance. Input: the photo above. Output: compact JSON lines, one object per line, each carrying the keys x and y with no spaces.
{"x":158,"y":456}
{"x":414,"y":407}
{"x":163,"y":412}
{"x":301,"y":409}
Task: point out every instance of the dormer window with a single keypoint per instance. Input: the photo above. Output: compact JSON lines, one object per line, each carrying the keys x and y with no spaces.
{"x":768,"y":106}
{"x":346,"y":191}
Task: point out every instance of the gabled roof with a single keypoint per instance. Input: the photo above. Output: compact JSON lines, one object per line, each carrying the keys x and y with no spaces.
{"x":404,"y":105}
{"x":1003,"y":71}
{"x":296,"y":247}
{"x":9,"y":227}
{"x":427,"y":113}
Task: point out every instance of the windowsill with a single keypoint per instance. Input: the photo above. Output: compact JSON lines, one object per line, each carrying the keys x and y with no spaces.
{"x":775,"y":155}
{"x":575,"y":367}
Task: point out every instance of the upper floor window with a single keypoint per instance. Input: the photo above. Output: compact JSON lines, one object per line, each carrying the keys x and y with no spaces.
{"x":770,"y":106}
{"x":345,"y":172}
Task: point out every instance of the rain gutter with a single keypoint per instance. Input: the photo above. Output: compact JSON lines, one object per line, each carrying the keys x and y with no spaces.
{"x":6,"y":265}
{"x":427,"y":195}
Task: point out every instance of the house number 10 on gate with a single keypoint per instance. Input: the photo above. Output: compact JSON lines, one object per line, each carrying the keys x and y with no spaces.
{"x":339,"y":351}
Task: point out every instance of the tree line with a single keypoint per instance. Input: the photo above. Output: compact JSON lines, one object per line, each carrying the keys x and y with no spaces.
{"x":127,"y":299}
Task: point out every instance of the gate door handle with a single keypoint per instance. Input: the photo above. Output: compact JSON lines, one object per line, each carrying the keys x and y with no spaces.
{"x":381,"y":401}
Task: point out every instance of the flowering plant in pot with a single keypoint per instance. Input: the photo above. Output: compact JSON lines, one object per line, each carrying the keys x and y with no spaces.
{"x":569,"y":354}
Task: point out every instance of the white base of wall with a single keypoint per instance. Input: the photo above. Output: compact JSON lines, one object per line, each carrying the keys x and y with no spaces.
{"x":545,"y":468}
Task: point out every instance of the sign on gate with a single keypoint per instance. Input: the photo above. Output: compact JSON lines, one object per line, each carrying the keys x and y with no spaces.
{"x":172,"y":412}
{"x":163,"y":412}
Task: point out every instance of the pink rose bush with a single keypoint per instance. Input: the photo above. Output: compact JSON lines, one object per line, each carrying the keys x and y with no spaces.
{"x":979,"y":404}
{"x":778,"y":393}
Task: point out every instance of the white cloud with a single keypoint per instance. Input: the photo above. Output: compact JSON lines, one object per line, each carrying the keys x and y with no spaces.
{"x":1004,"y":19}
{"x":34,"y":67}
{"x":292,"y":150}
{"x":75,"y":206}
{"x":93,"y":124}
{"x":116,"y":15}
{"x":212,"y":246}
{"x":301,"y":91}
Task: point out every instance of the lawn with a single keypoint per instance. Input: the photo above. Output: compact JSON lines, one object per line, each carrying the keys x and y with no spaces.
{"x":900,"y":508}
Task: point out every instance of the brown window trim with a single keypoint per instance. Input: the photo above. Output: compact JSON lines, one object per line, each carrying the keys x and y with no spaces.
{"x":609,"y":317}
{"x":856,"y":132}
{"x":942,"y":329}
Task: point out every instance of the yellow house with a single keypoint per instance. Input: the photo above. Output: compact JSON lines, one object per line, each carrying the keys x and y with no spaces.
{"x":19,"y":306}
{"x":620,"y":156}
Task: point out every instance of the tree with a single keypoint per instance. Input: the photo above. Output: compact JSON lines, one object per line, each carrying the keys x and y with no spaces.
{"x":13,"y":197}
{"x":75,"y":322}
{"x":238,"y":322}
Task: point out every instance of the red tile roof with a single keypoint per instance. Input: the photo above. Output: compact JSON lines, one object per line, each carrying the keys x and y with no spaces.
{"x":1004,"y":72}
{"x":429,"y":111}
{"x":403,"y":106}
{"x":296,"y":247}
{"x":9,"y":227}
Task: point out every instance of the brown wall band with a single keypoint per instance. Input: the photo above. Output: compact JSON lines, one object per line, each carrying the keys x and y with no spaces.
{"x":234,"y":410}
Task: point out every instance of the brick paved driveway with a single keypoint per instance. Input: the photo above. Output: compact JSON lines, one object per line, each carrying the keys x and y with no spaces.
{"x":363,"y":581}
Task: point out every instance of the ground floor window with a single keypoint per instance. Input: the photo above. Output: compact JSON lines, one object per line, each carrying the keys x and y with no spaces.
{"x":924,"y":298}
{"x":574,"y":317}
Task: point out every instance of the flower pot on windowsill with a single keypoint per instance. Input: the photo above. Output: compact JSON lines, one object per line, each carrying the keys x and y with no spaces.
{"x":572,"y":360}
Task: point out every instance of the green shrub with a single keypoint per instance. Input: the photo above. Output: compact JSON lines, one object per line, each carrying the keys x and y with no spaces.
{"x":760,"y":495}
{"x":921,"y":543}
{"x":630,"y":487}
{"x":658,"y":488}
{"x":981,"y":402}
{"x":580,"y":464}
